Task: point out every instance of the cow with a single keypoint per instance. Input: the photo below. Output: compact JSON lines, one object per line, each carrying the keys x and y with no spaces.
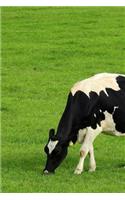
{"x":94,"y":105}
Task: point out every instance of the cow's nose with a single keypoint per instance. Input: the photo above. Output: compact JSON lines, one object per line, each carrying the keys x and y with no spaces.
{"x":46,"y":172}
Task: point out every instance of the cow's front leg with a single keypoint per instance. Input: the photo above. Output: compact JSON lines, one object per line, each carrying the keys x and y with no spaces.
{"x":92,"y":164}
{"x":86,"y":146}
{"x":80,"y":166}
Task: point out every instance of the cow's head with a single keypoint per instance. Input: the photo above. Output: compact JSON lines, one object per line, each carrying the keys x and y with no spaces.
{"x":56,"y":152}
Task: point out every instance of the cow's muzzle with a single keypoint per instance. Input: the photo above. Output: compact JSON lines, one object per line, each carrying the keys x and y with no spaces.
{"x":46,"y":172}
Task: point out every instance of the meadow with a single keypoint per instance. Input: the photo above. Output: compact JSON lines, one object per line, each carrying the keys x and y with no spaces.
{"x":45,"y":50}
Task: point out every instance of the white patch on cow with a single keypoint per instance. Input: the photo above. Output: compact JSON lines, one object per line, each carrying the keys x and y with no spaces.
{"x":94,"y":115}
{"x":108,"y":125}
{"x":51,"y":145}
{"x":97,"y":83}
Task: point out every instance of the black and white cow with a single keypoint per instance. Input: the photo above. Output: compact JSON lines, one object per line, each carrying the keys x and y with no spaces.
{"x":94,"y":105}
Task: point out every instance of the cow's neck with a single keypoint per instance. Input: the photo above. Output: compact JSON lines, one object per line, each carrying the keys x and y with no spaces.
{"x":64,"y":131}
{"x":65,"y":125}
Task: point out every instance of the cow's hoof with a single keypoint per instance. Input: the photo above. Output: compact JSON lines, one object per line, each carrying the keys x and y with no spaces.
{"x":92,"y":170}
{"x":78,"y":171}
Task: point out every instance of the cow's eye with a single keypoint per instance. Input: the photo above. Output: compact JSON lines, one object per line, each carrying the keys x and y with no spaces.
{"x":46,"y":149}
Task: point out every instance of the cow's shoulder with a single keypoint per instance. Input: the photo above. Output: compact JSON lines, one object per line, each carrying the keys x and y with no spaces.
{"x":86,"y":110}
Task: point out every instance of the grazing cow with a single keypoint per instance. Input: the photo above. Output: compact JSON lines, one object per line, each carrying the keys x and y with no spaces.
{"x":94,"y":105}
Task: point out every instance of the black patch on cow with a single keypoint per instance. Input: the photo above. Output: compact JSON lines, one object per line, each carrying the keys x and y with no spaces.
{"x":65,"y":124}
{"x":121,"y":82}
{"x":119,"y":119}
{"x":84,"y":109}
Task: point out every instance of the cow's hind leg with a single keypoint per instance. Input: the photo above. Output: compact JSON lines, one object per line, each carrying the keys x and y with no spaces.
{"x":85,"y":148}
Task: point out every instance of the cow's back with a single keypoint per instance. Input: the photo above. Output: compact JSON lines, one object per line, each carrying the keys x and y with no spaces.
{"x":99,"y":83}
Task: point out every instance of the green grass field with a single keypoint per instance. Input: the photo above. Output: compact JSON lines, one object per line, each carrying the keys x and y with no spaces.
{"x":45,"y":50}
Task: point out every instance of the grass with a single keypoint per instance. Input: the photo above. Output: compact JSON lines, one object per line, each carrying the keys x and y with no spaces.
{"x":45,"y":50}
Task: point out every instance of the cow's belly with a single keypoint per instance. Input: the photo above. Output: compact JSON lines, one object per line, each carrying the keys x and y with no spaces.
{"x":108,"y":126}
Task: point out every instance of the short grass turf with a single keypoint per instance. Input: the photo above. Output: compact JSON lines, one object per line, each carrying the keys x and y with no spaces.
{"x":45,"y":50}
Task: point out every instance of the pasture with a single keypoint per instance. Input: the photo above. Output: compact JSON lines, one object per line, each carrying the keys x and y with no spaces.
{"x":45,"y":50}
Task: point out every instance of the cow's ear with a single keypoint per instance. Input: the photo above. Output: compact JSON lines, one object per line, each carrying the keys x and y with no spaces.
{"x":51,"y":133}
